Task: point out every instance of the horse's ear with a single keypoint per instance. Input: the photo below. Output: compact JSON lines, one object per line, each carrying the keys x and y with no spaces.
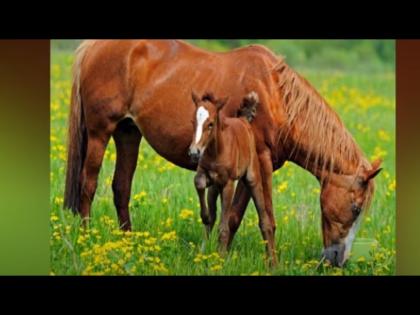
{"x":376,"y":164}
{"x":373,"y":171}
{"x":221,"y":102}
{"x":195,"y":98}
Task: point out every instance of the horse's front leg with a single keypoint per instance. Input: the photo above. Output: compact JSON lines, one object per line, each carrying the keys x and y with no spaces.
{"x":227,"y":192}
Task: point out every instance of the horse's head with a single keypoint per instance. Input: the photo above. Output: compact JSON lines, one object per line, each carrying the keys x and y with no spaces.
{"x":343,"y":199}
{"x":206,"y":120}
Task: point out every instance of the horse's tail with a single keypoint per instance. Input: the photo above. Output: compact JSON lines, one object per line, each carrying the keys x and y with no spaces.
{"x":77,"y":137}
{"x":248,"y":108}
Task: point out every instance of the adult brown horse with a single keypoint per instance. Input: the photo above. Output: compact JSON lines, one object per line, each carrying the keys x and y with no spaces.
{"x":129,"y":89}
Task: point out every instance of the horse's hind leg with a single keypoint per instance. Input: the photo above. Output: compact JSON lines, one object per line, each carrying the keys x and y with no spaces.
{"x":96,"y":146}
{"x":127,"y":139}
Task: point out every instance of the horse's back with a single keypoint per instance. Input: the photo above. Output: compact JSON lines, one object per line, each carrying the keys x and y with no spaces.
{"x":126,"y":60}
{"x":151,"y":81}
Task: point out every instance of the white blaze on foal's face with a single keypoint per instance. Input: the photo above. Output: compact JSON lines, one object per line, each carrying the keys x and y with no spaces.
{"x":202,"y":115}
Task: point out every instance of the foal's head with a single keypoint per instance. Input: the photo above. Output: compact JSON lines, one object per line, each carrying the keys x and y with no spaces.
{"x":206,"y":121}
{"x":343,"y":199}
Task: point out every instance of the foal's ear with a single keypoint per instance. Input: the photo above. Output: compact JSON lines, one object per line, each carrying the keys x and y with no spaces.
{"x":195,"y":98}
{"x":248,"y":108}
{"x":221,"y":102}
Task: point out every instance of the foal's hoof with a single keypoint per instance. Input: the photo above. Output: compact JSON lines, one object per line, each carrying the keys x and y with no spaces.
{"x":272,"y":262}
{"x":223,"y":250}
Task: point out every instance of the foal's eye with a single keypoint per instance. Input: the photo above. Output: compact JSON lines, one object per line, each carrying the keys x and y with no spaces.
{"x":210,"y":126}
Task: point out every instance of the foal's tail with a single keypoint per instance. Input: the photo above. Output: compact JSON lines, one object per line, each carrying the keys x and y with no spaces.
{"x":77,"y":137}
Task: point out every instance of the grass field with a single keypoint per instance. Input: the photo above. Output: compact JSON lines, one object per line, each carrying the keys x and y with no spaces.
{"x":167,"y":230}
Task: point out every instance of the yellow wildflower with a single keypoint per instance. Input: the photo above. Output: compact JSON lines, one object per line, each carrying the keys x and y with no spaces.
{"x":169,"y":236}
{"x":58,"y":200}
{"x":140,"y":196}
{"x":383,"y":135}
{"x":282,"y":187}
{"x":392,"y":185}
{"x":216,"y":268}
{"x":186,"y":213}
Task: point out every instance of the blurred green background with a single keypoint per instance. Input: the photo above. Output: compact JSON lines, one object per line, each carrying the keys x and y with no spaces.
{"x":348,"y":55}
{"x":24,"y":157}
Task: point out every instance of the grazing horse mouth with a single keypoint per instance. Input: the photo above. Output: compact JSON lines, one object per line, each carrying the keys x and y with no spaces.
{"x":335,"y":255}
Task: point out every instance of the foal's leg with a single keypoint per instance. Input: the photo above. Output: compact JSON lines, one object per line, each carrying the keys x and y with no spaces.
{"x":212,"y":194}
{"x":240,"y":202}
{"x":127,"y":139}
{"x":256,"y":188}
{"x":242,"y":196}
{"x":208,"y":215}
{"x":89,"y":178}
{"x":200,"y":183}
{"x":227,"y":199}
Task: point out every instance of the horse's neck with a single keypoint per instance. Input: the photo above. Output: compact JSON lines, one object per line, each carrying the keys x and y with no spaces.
{"x":318,"y":166}
{"x":313,"y":135}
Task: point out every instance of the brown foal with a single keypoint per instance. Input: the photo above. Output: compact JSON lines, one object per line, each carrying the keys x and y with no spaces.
{"x":225,"y":150}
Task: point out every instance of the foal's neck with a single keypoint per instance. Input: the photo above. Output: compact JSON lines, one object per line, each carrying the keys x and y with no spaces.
{"x":215,"y":146}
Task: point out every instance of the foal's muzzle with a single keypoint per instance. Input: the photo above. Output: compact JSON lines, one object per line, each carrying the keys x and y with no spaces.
{"x":335,"y":254}
{"x":194,"y":154}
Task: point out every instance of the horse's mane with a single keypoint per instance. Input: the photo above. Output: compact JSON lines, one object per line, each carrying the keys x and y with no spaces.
{"x":314,"y":129}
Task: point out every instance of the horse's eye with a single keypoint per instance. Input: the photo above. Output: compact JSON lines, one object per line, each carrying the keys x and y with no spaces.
{"x":356,"y":209}
{"x":210,"y":126}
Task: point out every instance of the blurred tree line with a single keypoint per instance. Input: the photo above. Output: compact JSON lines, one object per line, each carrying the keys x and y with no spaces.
{"x":368,"y":55}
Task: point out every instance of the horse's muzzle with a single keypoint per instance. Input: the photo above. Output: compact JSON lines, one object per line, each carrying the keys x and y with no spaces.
{"x":335,"y":255}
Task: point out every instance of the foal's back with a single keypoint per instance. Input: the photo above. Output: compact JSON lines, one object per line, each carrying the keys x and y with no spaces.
{"x":239,"y":145}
